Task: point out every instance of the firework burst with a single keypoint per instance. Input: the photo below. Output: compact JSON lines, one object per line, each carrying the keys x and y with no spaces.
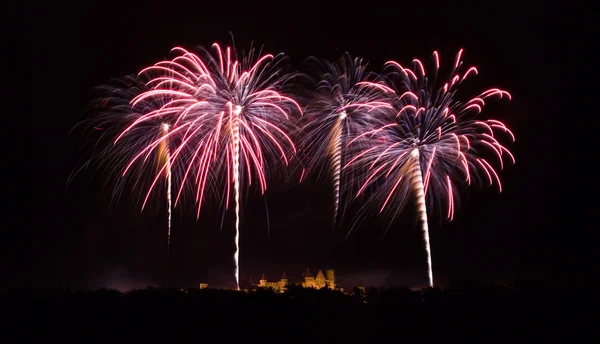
{"x":223,"y":124}
{"x":345,"y":100}
{"x":114,"y":112}
{"x":431,"y":144}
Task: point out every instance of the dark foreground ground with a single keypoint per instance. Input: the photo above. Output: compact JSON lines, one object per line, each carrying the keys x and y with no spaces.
{"x":487,"y":314}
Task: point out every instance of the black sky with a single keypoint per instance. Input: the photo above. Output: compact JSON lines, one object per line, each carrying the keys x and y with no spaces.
{"x":77,"y":238}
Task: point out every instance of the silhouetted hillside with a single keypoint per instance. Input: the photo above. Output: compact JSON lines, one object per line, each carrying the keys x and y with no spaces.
{"x":305,"y":314}
{"x":467,"y":295}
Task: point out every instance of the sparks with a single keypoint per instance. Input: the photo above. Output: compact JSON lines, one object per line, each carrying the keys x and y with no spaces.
{"x":345,"y":99}
{"x":224,"y":123}
{"x":446,"y":140}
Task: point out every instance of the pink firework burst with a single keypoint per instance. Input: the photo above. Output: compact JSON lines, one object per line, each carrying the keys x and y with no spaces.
{"x":345,"y":101}
{"x":228,"y":123}
{"x":430,"y":144}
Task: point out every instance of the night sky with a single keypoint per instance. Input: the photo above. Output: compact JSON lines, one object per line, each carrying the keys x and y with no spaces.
{"x":79,"y":239}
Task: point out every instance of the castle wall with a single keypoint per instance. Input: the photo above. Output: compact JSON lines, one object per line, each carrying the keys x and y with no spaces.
{"x":277,"y":286}
{"x":309,"y":282}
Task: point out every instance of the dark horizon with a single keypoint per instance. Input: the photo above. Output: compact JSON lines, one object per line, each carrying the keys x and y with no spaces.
{"x":79,"y":239}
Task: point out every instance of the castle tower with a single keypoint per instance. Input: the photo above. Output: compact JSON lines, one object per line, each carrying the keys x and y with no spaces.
{"x":283,"y":282}
{"x":263,"y":281}
{"x":284,"y":279}
{"x":330,"y":276}
{"x":320,"y":280}
{"x":309,"y":279}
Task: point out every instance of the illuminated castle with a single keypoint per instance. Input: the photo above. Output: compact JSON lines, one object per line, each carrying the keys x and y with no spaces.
{"x":278,"y":286}
{"x":310,"y":281}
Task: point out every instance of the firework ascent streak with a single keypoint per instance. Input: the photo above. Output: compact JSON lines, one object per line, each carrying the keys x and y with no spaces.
{"x":164,"y":160}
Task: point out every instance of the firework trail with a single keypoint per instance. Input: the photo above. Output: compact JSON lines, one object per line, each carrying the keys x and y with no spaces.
{"x":165,"y":154}
{"x":432,"y":142}
{"x":115,"y":114}
{"x":345,"y":99}
{"x":228,"y":123}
